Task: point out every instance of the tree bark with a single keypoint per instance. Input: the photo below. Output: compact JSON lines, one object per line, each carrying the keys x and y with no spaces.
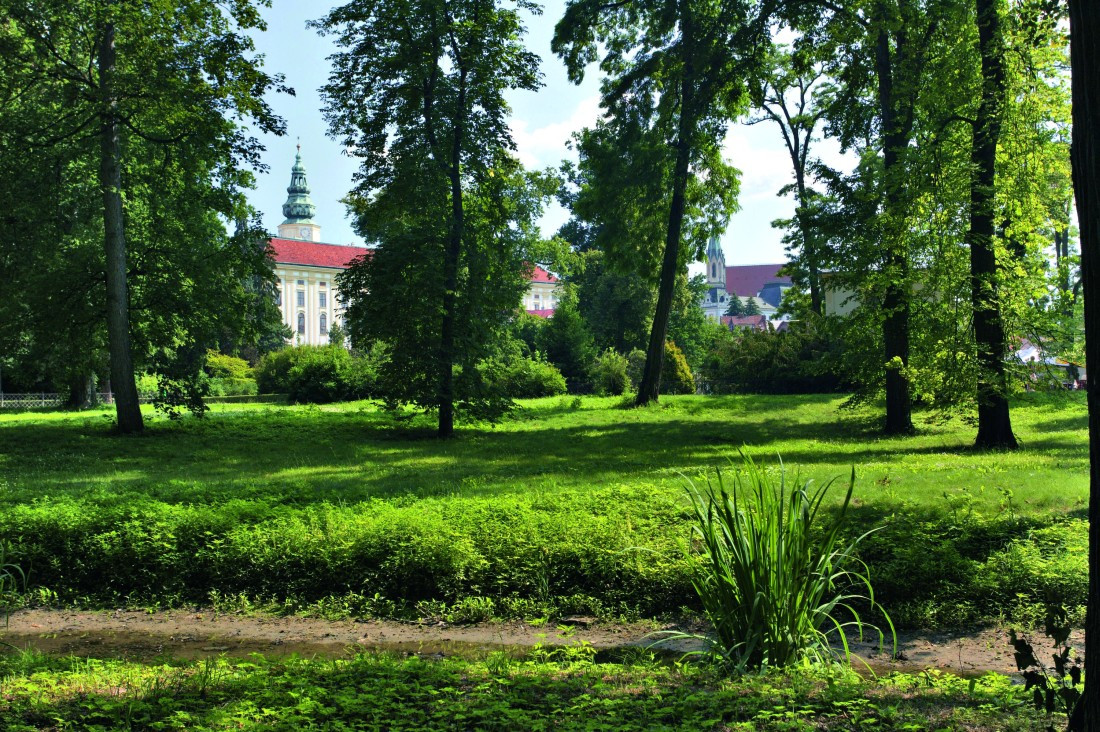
{"x":895,"y":303}
{"x":451,"y":256}
{"x":82,"y":390}
{"x":994,"y":419}
{"x":127,"y":407}
{"x":1084,"y":20}
{"x":650,"y":388}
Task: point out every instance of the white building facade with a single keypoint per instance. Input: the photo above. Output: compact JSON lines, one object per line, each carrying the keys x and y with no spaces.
{"x":306,"y":270}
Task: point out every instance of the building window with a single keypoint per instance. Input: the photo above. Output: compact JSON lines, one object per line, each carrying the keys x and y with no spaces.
{"x":301,"y":298}
{"x":324,"y":299}
{"x":713,"y":271}
{"x":324,"y":324}
{"x":301,"y":283}
{"x":301,"y":323}
{"x":279,"y":295}
{"x":322,"y":284}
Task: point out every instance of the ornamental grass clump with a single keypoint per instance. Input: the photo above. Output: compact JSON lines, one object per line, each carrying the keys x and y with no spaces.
{"x":777,"y":581}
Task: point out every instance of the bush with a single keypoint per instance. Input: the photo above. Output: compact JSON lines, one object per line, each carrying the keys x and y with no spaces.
{"x":635,"y":367}
{"x":319,"y":374}
{"x":609,"y":373}
{"x":220,"y":366}
{"x":676,"y":375}
{"x":220,"y":387}
{"x":801,"y":360}
{"x":770,"y":581}
{"x":528,"y":378}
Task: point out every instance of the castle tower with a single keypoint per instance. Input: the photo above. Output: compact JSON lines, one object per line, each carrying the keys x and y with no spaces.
{"x":716,"y":265}
{"x":299,"y":209}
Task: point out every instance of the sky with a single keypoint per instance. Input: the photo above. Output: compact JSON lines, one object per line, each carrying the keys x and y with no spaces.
{"x":542,"y":123}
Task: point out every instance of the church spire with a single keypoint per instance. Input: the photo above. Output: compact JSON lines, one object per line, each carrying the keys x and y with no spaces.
{"x":299,"y":209}
{"x":716,"y":264}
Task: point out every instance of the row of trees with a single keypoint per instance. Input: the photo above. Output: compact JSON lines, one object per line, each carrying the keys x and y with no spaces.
{"x":126,"y":120}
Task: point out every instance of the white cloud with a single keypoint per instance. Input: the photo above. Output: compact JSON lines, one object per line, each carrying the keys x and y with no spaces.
{"x":541,"y":146}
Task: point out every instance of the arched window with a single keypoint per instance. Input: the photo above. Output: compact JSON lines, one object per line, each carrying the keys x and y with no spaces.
{"x":301,"y":323}
{"x":713,"y":271}
{"x":324,"y":324}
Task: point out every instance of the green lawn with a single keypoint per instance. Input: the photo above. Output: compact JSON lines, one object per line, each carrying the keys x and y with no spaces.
{"x":571,"y":505}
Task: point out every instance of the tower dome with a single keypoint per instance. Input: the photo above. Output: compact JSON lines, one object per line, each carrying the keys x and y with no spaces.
{"x":299,"y":209}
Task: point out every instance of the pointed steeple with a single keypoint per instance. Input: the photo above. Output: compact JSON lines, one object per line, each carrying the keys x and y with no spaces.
{"x":716,"y":264}
{"x":299,"y":209}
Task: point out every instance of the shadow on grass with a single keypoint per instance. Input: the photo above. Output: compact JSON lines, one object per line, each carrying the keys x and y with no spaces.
{"x":309,"y":455}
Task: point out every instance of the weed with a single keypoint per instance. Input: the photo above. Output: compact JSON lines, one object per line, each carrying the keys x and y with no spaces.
{"x":772,"y":583}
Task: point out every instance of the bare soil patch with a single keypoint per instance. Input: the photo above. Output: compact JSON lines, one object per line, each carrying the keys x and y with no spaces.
{"x":181,"y":634}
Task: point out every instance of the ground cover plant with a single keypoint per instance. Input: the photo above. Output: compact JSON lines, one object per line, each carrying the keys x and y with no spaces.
{"x":572,"y":505}
{"x":552,"y":689}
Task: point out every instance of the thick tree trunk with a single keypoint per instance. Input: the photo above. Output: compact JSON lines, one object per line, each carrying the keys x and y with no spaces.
{"x":650,"y":388}
{"x":994,"y":420}
{"x":127,"y":407}
{"x":1084,"y":19}
{"x":895,"y":302}
{"x":451,"y":255}
{"x":82,"y":390}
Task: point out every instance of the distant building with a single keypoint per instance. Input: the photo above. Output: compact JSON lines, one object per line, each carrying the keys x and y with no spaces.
{"x":746,"y":322}
{"x":717,"y":300}
{"x":306,"y":269}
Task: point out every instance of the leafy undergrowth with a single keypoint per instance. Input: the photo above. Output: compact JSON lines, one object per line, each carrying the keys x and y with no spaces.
{"x":571,"y":506}
{"x":558,"y":692}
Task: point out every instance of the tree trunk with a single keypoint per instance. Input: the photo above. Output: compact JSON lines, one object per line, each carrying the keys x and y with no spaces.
{"x":994,"y":419}
{"x":1084,"y":20}
{"x":451,"y":255}
{"x":127,"y":408}
{"x":809,"y":247}
{"x":650,"y":388}
{"x":82,"y":390}
{"x":895,"y":303}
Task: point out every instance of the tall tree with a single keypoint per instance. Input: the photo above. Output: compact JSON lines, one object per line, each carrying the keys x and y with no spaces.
{"x":675,"y":73}
{"x":880,"y":49}
{"x":994,"y":419}
{"x":137,"y":88}
{"x":786,"y":95}
{"x":1084,"y":18}
{"x":418,"y":93}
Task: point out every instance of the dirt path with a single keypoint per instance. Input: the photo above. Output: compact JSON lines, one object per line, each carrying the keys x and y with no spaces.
{"x":189,"y":635}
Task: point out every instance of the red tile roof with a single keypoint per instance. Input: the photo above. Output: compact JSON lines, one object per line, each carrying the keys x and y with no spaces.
{"x":749,"y":279}
{"x":338,"y":256}
{"x":541,"y":313}
{"x":756,"y":322}
{"x":541,"y":275}
{"x":314,"y":254}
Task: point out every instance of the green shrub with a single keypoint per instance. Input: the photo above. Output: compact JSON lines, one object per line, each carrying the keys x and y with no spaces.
{"x":528,"y":378}
{"x":635,"y":367}
{"x":676,"y":375}
{"x":273,"y":371}
{"x":220,"y":366}
{"x":771,"y":582}
{"x":609,"y":373}
{"x":220,"y":387}
{"x":801,"y":360}
{"x":319,"y":374}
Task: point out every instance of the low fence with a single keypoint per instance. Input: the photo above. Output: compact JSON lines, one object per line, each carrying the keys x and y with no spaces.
{"x":48,"y":400}
{"x":40,"y":400}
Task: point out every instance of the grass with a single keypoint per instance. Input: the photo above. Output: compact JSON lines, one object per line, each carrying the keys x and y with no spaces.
{"x":572,"y":505}
{"x":371,"y":692}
